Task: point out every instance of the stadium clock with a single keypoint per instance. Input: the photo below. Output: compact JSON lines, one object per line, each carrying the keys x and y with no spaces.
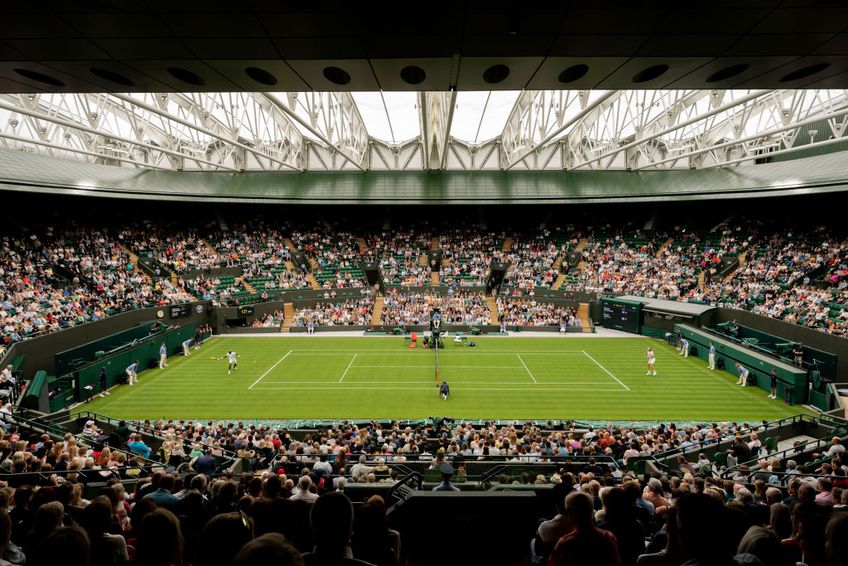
{"x":246,"y":310}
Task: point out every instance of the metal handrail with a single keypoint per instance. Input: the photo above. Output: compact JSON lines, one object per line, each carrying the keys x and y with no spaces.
{"x":83,"y":474}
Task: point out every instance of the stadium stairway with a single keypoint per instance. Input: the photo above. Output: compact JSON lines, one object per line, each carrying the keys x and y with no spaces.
{"x":664,"y":247}
{"x":377,"y":313}
{"x":559,"y":281}
{"x":742,"y":263}
{"x":581,"y":244}
{"x":288,"y":312}
{"x":507,"y":244}
{"x":312,"y":281}
{"x":493,"y":310}
{"x":134,"y":260}
{"x":434,"y":243}
{"x":583,"y":315}
{"x":248,"y":286}
{"x":289,"y":265}
{"x":209,"y":246}
{"x":434,"y":278}
{"x":363,"y":246}
{"x":174,"y":279}
{"x":701,"y":278}
{"x":289,"y":244}
{"x":423,"y":261}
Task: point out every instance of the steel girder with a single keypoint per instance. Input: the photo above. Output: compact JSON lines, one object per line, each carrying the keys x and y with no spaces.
{"x":205,"y":131}
{"x":82,"y":124}
{"x":435,"y":114}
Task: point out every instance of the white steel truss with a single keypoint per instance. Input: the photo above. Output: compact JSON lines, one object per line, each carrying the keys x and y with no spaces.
{"x":435,"y":114}
{"x":545,"y":130}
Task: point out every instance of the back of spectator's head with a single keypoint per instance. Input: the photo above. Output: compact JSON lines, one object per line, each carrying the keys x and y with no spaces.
{"x":580,"y":509}
{"x":617,"y":504}
{"x":160,"y":539}
{"x":47,"y":519}
{"x":780,"y":520}
{"x":304,"y":483}
{"x":96,"y":517}
{"x":140,"y":510}
{"x":5,"y":530}
{"x":836,"y":540}
{"x":272,"y":486}
{"x":23,"y":495}
{"x":270,"y":549}
{"x":698,"y":514}
{"x":763,"y":544}
{"x":68,"y":546}
{"x":331,"y":519}
{"x":167,"y":482}
{"x":222,"y":538}
{"x":199,"y":482}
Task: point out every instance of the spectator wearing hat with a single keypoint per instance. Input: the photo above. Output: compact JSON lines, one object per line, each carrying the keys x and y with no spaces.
{"x":447,"y":473}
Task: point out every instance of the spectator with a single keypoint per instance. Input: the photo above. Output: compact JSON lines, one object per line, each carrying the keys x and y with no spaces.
{"x":160,"y":540}
{"x":269,"y":549}
{"x":331,"y":520}
{"x":586,"y":544}
{"x":67,"y":546}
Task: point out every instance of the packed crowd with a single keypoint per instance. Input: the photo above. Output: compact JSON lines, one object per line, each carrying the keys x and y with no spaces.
{"x":469,"y":253}
{"x":461,"y":308}
{"x":351,"y":312}
{"x":293,"y":510}
{"x":222,"y":291}
{"x":532,"y":263}
{"x":176,"y":249}
{"x":97,"y":279}
{"x":270,"y":320}
{"x":529,"y":312}
{"x":335,"y":253}
{"x":57,"y":278}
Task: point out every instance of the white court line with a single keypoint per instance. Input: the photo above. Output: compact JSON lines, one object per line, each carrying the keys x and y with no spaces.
{"x":430,"y":388}
{"x":348,"y":368}
{"x":606,"y":370}
{"x":271,"y":368}
{"x":440,"y":367}
{"x":451,"y":352}
{"x":460,"y":383}
{"x":525,"y":367}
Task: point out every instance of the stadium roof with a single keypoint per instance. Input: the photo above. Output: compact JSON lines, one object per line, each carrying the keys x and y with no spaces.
{"x":403,"y":131}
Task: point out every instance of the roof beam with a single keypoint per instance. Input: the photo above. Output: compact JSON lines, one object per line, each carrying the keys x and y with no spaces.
{"x":746,"y":139}
{"x":317,"y":133}
{"x":435,"y":113}
{"x":81,"y":151}
{"x":233,"y":140}
{"x":655,"y":134}
{"x":589,"y":109}
{"x":19,"y":109}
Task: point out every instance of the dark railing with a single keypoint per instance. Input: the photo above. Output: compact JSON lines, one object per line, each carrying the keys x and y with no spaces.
{"x":84,"y":476}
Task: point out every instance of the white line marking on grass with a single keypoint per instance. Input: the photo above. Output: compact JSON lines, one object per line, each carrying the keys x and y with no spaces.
{"x":271,"y":368}
{"x":442,"y":367}
{"x":528,"y":369}
{"x":430,"y":388}
{"x":605,"y":370}
{"x":450,"y":352}
{"x":460,"y":383}
{"x":348,"y":368}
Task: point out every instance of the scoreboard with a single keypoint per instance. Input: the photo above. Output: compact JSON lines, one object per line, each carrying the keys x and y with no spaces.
{"x":180,"y":311}
{"x":621,"y":315}
{"x":245,"y":310}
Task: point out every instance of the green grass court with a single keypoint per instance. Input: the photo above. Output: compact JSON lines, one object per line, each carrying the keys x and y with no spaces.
{"x":380,"y":378}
